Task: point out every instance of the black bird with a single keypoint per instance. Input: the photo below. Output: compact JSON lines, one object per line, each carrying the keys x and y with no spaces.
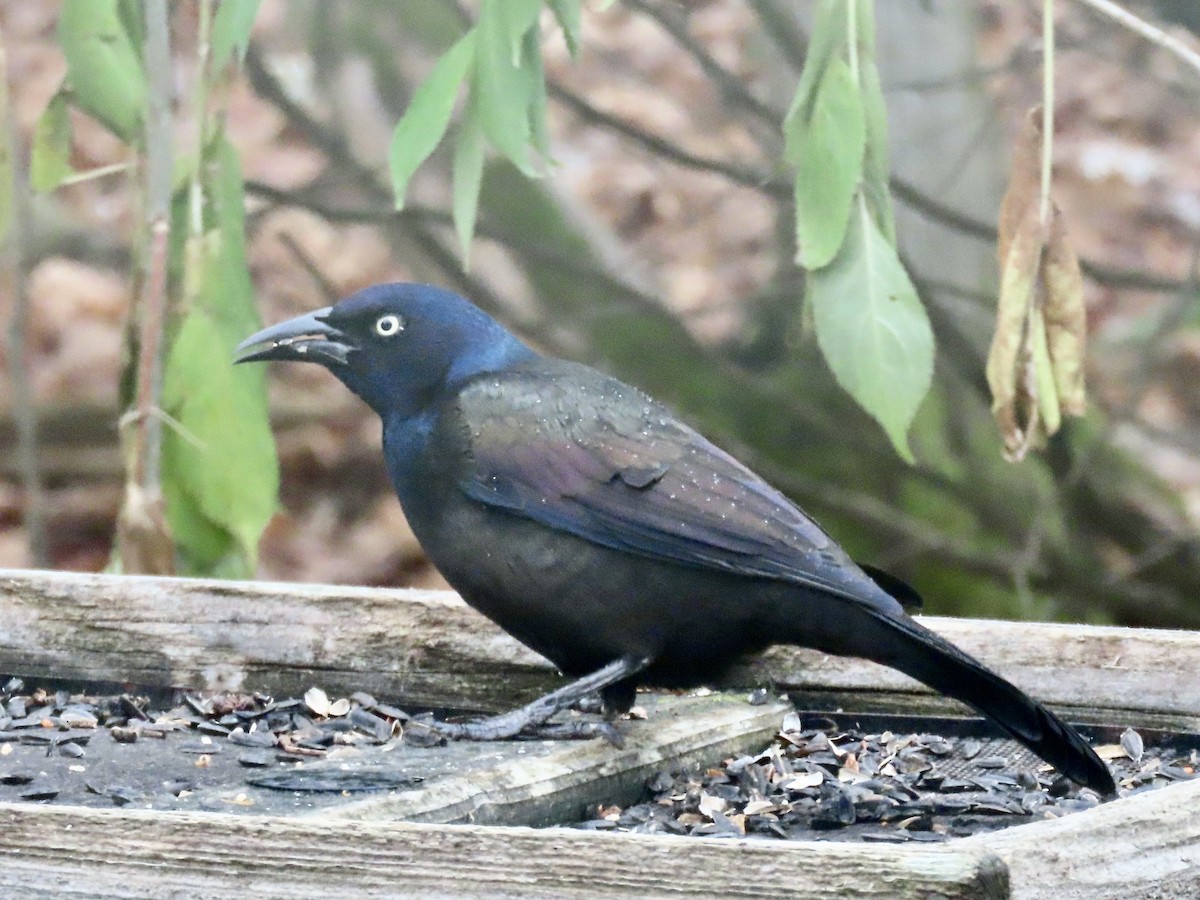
{"x":586,"y":520}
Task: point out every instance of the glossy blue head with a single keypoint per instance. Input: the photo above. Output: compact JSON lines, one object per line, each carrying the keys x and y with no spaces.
{"x":398,"y":346}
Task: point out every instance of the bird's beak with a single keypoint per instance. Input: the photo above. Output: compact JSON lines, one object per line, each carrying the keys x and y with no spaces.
{"x":306,"y":338}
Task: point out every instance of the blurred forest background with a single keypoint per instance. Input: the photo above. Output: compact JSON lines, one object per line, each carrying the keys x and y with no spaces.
{"x":660,"y":247}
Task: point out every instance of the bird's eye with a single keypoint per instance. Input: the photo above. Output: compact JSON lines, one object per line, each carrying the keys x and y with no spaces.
{"x":386,"y":326}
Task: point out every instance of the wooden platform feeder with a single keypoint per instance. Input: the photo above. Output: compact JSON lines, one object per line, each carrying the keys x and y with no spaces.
{"x":465,"y":830}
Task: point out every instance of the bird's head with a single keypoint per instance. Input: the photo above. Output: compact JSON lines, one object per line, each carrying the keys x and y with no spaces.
{"x":398,"y":346}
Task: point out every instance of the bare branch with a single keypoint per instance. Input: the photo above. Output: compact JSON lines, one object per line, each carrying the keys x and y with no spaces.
{"x":143,"y":538}
{"x":660,"y":146}
{"x":1152,"y":33}
{"x":732,"y":88}
{"x":24,"y":410}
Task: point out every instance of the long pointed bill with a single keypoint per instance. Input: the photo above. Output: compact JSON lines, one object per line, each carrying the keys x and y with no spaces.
{"x":305,"y":338}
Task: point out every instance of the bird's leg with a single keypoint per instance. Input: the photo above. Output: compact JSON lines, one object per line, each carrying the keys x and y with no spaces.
{"x":535,"y":715}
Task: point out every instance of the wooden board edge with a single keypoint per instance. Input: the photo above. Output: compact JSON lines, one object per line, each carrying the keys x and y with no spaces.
{"x":1137,"y":846}
{"x":63,"y":851}
{"x":430,"y":649}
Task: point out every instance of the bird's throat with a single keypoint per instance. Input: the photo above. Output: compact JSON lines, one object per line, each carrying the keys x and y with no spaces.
{"x":405,"y":440}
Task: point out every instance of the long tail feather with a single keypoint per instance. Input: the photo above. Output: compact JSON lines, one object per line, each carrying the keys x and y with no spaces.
{"x":902,"y":643}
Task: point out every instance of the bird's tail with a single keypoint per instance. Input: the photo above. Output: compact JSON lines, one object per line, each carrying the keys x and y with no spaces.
{"x":902,"y":643}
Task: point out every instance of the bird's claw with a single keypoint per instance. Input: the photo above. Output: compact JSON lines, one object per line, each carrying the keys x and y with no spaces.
{"x":501,"y":728}
{"x":576,"y":731}
{"x":592,"y":703}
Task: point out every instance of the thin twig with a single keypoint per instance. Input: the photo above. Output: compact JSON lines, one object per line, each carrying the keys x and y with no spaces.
{"x":1152,"y":33}
{"x":200,"y":111}
{"x":24,"y":408}
{"x":148,"y":442}
{"x":418,"y":214}
{"x":1047,"y":111}
{"x":143,"y":538}
{"x":759,"y":180}
{"x":94,"y":174}
{"x":732,"y":88}
{"x":308,"y":264}
{"x":781,"y":27}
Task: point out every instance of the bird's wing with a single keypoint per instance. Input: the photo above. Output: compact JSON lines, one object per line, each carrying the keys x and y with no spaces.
{"x":584,"y":453}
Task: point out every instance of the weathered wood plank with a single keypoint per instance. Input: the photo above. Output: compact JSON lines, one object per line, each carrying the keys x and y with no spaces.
{"x":1147,"y":845}
{"x":569,"y":782}
{"x":426,"y":646}
{"x":429,"y":648}
{"x":73,"y":852}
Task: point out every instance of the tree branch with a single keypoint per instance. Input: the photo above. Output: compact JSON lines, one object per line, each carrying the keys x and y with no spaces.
{"x":147,"y":443}
{"x":731,"y":87}
{"x":24,"y":409}
{"x":143,"y":538}
{"x":660,"y":146}
{"x":1152,"y":33}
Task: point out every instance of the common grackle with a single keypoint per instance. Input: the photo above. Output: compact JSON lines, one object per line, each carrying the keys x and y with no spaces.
{"x":582,"y":517}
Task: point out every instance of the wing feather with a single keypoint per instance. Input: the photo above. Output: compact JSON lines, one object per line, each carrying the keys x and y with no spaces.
{"x":582,"y":452}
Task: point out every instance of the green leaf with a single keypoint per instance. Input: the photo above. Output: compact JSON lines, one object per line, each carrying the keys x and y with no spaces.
{"x":231,"y":31}
{"x":201,"y":546}
{"x":428,"y":116}
{"x":872,"y":328}
{"x":539,"y":130}
{"x":877,"y":170}
{"x":132,"y":14}
{"x":227,"y":200}
{"x":220,"y":474}
{"x":829,"y":149}
{"x":50,"y":155}
{"x":219,"y":467}
{"x":827,"y":41}
{"x":569,"y":14}
{"x":502,"y":90}
{"x":520,"y":17}
{"x":103,"y":66}
{"x":468,"y":178}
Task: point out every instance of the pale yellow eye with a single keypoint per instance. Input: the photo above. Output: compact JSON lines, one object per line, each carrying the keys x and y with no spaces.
{"x":388,"y":325}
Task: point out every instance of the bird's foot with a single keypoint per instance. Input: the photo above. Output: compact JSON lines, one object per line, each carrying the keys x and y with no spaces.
{"x":532,"y":720}
{"x":502,"y":728}
{"x":576,"y":731}
{"x":592,"y":704}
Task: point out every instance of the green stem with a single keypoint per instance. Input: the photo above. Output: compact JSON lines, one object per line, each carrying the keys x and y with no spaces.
{"x":200,"y":111}
{"x":148,"y":443}
{"x":1047,"y":107}
{"x":93,"y":174}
